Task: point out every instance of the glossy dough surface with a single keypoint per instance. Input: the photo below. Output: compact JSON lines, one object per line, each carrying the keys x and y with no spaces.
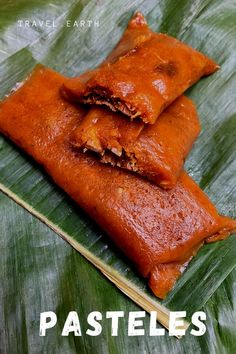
{"x":155,"y":151}
{"x":143,"y":81}
{"x":156,"y":229}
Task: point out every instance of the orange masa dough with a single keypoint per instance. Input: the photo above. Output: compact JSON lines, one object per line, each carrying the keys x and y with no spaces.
{"x":136,"y":33}
{"x":143,"y":81}
{"x":158,"y":152}
{"x":155,"y":151}
{"x":158,"y":230}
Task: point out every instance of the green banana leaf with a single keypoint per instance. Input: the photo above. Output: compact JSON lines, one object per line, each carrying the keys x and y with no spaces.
{"x":40,"y":272}
{"x":206,"y":25}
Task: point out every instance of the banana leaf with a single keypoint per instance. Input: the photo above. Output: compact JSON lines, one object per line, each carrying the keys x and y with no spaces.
{"x":40,"y":272}
{"x":206,"y":25}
